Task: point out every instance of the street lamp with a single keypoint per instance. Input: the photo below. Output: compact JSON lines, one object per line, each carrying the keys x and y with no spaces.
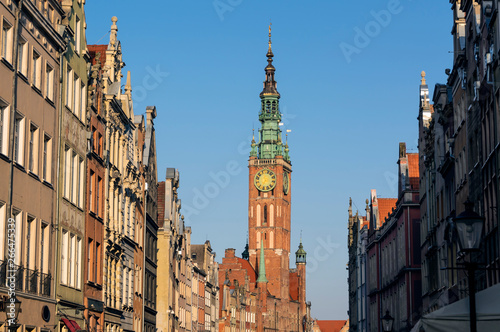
{"x":12,"y":306}
{"x":387,"y":322}
{"x":470,"y":230}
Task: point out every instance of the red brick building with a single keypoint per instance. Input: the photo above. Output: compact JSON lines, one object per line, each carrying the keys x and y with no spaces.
{"x":393,"y":271}
{"x":262,"y":285}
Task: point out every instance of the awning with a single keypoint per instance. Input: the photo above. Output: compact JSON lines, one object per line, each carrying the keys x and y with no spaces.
{"x":71,"y":324}
{"x":455,"y":317}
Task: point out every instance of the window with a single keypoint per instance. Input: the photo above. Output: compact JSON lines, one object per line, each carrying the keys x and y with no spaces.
{"x":69,"y":87}
{"x":18,"y":139}
{"x":81,"y":188}
{"x":76,"y":96}
{"x":36,"y":70}
{"x":4,"y":127}
{"x":78,"y":263}
{"x":22,"y":57}
{"x":77,"y":35}
{"x":90,"y":261}
{"x":98,"y":191}
{"x":30,"y":242}
{"x":33,"y":149}
{"x":19,"y":232}
{"x":44,"y":248}
{"x":49,"y":82}
{"x":98,"y":263}
{"x":64,"y":257}
{"x":99,"y":144}
{"x":83,"y":101}
{"x":7,"y":33}
{"x":67,"y":170}
{"x":72,"y":260}
{"x":91,"y":192}
{"x":3,"y":229}
{"x":47,"y":157}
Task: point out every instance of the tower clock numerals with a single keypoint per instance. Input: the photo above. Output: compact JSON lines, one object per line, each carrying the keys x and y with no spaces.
{"x":286,"y":183}
{"x":265,"y":180}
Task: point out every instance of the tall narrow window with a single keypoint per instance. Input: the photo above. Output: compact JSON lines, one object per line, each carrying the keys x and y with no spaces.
{"x":90,"y":261}
{"x":77,"y":35}
{"x":47,"y":152}
{"x":30,"y":243}
{"x":36,"y":71}
{"x":7,"y":41}
{"x":49,"y":82}
{"x":44,"y":248}
{"x":91,"y":192}
{"x":18,"y":139}
{"x":98,"y":268}
{"x":69,"y":87}
{"x":4,"y":127}
{"x":265,"y":215}
{"x":83,"y":101}
{"x":67,"y":171}
{"x":81,"y":177}
{"x":3,"y":229}
{"x":72,"y":260}
{"x":64,"y":257}
{"x":78,"y":263}
{"x":22,"y":56}
{"x":18,"y":217}
{"x":98,"y":194}
{"x":76,"y":96}
{"x":71,"y":175}
{"x":33,"y":149}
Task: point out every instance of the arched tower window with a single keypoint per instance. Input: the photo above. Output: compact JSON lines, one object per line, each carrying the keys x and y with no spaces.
{"x":271,"y":219}
{"x":258,"y":215}
{"x":265,"y":215}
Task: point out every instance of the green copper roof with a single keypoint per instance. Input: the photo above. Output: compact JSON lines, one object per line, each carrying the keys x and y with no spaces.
{"x":270,"y":142}
{"x":300,"y":255}
{"x":262,"y":265}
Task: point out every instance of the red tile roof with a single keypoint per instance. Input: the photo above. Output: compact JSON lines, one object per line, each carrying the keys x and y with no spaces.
{"x":385,"y":206}
{"x":331,"y":325}
{"x":250,"y":270}
{"x":413,"y":170}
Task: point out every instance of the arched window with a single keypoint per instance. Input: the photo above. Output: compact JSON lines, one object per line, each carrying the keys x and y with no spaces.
{"x":258,"y":215}
{"x":265,"y":215}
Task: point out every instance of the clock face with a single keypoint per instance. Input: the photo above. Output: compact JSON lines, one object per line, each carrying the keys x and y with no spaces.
{"x":265,"y":180}
{"x":286,"y":183}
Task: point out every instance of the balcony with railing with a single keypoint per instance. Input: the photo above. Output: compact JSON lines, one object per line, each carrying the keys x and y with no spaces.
{"x":26,"y":280}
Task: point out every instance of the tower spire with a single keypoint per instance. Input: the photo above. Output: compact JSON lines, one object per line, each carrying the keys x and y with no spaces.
{"x":270,"y":84}
{"x":262,"y":265}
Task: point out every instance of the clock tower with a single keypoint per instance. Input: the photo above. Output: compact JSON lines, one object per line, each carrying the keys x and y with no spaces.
{"x":270,"y":191}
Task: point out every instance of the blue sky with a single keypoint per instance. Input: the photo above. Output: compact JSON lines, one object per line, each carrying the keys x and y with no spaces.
{"x":348,"y":73}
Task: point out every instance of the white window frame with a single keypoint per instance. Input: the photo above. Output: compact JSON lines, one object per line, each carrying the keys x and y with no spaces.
{"x":36,"y":69}
{"x":78,"y":40}
{"x":33,"y":148}
{"x":3,"y":229}
{"x":64,"y":256}
{"x":4,"y":127}
{"x":7,"y":40}
{"x":19,"y":127}
{"x":49,"y":82}
{"x":22,"y":56}
{"x":76,"y":96}
{"x":47,"y":159}
{"x":18,"y":217}
{"x":69,"y":87}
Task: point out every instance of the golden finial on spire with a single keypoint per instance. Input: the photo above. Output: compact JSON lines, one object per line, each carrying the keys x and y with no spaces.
{"x":422,"y":82}
{"x":270,"y":24}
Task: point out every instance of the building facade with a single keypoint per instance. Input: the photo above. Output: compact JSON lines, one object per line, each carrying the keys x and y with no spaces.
{"x":73,"y":170}
{"x":30,"y":108}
